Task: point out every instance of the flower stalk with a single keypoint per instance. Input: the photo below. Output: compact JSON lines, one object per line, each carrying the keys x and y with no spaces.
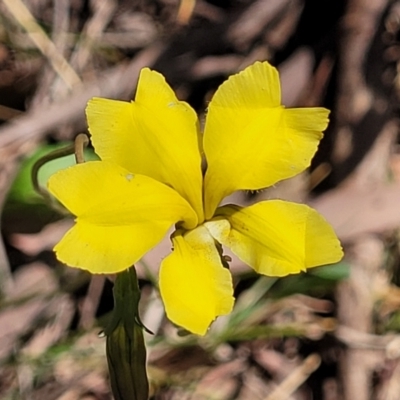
{"x":125,"y":347}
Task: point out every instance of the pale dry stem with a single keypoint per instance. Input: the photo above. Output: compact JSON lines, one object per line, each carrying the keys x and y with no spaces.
{"x":24,"y":17}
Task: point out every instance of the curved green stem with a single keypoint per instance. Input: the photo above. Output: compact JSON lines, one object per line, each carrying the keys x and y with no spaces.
{"x":76,"y":148}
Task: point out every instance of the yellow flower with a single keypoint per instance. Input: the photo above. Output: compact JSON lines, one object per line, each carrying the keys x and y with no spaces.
{"x":150,"y":178}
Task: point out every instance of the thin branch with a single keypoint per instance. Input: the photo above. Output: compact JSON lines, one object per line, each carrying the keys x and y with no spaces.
{"x":118,"y":82}
{"x":24,"y":17}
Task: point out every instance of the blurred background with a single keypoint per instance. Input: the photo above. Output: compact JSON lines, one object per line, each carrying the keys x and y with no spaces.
{"x":330,"y":334}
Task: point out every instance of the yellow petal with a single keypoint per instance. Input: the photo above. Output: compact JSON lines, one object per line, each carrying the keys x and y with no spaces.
{"x":120,"y":216}
{"x":250,"y":141}
{"x":156,"y":135}
{"x":275,"y":237}
{"x":194,"y":285}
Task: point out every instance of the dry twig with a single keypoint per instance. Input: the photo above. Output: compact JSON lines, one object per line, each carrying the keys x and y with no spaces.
{"x":296,"y":378}
{"x":42,"y":41}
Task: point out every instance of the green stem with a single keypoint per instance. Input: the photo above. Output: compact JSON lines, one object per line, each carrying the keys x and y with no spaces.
{"x":77,"y":148}
{"x":125,"y":347}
